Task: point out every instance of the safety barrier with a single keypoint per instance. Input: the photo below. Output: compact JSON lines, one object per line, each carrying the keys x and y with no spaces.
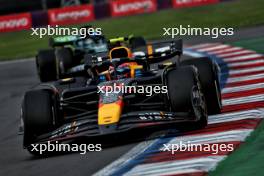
{"x":87,"y":13}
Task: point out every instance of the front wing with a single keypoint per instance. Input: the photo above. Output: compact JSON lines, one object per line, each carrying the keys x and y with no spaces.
{"x":130,"y":121}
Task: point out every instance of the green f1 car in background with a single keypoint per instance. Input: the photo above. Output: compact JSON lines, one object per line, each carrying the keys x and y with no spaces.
{"x":65,"y":52}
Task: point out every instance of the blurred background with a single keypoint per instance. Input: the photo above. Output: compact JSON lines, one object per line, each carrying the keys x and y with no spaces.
{"x":121,"y":18}
{"x":17,"y":6}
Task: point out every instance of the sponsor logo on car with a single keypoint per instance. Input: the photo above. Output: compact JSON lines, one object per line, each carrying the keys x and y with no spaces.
{"x":156,"y":116}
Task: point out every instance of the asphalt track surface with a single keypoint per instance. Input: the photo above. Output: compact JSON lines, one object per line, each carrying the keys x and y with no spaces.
{"x":16,"y":78}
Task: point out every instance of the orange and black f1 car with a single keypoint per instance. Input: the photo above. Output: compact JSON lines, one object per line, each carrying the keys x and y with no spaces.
{"x":83,"y":106}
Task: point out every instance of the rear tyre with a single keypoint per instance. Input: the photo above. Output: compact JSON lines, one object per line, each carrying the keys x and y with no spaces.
{"x":137,"y":42}
{"x":182,"y":83}
{"x":38,"y":115}
{"x":51,"y":42}
{"x":210,"y":82}
{"x":64,"y":61}
{"x":46,"y":65}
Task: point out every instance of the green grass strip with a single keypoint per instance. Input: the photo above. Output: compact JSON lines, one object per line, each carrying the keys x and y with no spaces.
{"x":248,"y":160}
{"x":236,"y":14}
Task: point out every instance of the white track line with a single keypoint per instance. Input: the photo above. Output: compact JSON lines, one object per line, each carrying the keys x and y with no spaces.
{"x":245,"y":78}
{"x":246,"y":70}
{"x":243,"y":100}
{"x":126,"y":158}
{"x":240,"y":58}
{"x":229,"y":50}
{"x":242,"y":88}
{"x":176,"y":167}
{"x":213,"y":48}
{"x":202,"y":46}
{"x":234,"y":116}
{"x":236,"y":53}
{"x":246,"y":63}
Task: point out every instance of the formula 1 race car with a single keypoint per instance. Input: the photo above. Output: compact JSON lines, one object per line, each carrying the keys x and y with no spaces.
{"x":151,"y":93}
{"x":66,"y":52}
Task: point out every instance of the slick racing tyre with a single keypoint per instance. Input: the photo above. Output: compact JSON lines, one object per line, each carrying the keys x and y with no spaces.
{"x":64,"y":61}
{"x":137,"y":42}
{"x":210,"y":82}
{"x":38,"y":115}
{"x":46,"y":65}
{"x":181,"y":83}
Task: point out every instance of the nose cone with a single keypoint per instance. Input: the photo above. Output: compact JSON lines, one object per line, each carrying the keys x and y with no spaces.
{"x":109,"y":113}
{"x":109,"y":116}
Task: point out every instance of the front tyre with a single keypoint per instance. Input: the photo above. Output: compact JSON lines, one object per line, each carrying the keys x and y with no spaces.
{"x":38,"y":113}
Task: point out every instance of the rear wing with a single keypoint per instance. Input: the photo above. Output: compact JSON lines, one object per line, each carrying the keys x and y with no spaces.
{"x":160,"y":47}
{"x":161,"y":50}
{"x":165,"y":50}
{"x":175,"y":45}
